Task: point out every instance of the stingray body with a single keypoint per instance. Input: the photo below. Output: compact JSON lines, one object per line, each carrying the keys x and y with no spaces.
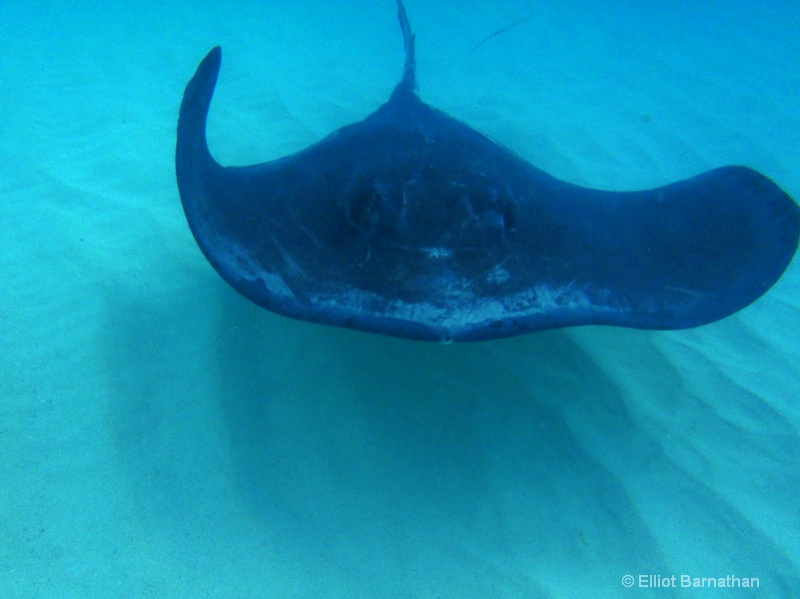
{"x":410,"y":223}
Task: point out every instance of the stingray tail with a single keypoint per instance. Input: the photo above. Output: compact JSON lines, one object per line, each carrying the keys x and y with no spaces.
{"x":408,"y":82}
{"x":193,"y":161}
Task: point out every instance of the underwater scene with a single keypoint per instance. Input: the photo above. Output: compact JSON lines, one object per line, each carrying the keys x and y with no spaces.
{"x":497,"y":299}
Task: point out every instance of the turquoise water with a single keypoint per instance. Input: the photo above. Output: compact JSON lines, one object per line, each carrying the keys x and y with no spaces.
{"x":162,"y":437}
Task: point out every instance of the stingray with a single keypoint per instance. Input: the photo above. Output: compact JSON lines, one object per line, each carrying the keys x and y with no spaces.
{"x":412,"y":224}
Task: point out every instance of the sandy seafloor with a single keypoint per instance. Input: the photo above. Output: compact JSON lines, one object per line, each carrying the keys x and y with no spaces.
{"x":162,"y":437}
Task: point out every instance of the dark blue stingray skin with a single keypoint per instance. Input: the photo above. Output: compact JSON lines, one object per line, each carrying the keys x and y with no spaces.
{"x":410,"y":223}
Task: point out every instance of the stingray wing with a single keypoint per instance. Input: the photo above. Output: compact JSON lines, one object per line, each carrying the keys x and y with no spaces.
{"x":675,"y":257}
